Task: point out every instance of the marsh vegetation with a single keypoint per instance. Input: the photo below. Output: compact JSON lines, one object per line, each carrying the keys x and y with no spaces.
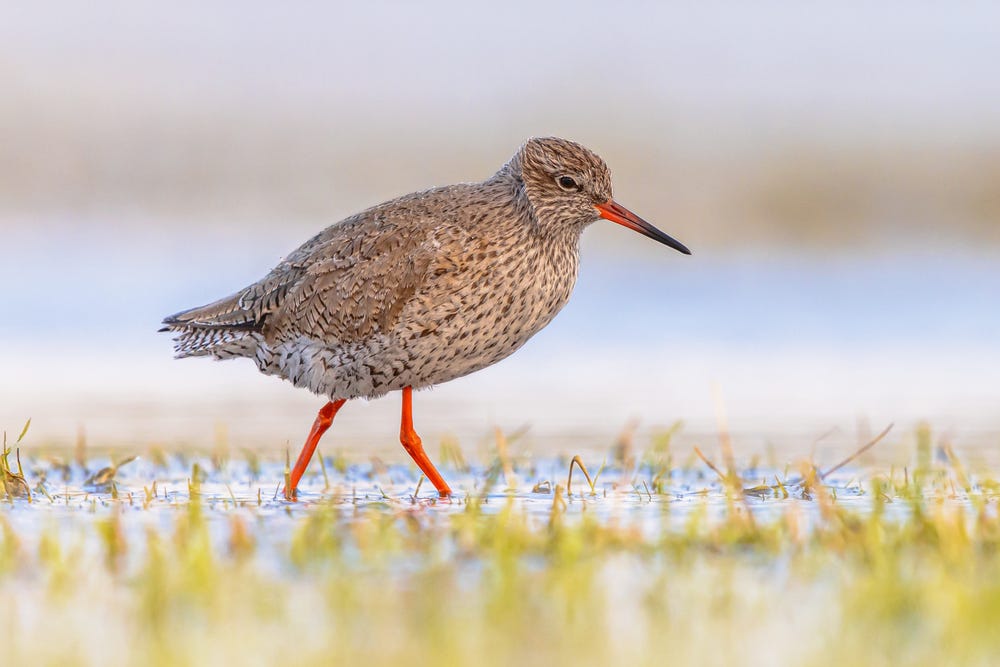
{"x":666,"y":554}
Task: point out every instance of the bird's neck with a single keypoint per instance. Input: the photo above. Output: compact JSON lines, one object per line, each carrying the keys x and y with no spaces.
{"x":549,"y":232}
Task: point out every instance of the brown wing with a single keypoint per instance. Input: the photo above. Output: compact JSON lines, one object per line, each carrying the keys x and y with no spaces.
{"x":250,"y":307}
{"x":347,"y":283}
{"x":353,"y":284}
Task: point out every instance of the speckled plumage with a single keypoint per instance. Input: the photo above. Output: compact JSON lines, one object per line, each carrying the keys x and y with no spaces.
{"x":419,"y":290}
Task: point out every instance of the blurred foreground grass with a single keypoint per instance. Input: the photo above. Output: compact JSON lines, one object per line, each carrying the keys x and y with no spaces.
{"x":185,"y":559}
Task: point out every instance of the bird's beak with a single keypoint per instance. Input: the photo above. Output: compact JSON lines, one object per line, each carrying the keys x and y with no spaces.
{"x":615,"y":212}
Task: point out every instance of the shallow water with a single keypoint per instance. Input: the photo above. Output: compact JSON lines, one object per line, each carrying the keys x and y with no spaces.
{"x":649,"y":495}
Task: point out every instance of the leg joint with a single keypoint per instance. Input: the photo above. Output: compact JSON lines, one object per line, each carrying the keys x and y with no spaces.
{"x":411,"y":441}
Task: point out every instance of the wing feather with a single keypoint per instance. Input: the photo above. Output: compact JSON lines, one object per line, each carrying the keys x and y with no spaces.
{"x":345,"y":284}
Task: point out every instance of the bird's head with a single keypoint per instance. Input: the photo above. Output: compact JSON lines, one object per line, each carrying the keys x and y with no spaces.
{"x":568,"y":185}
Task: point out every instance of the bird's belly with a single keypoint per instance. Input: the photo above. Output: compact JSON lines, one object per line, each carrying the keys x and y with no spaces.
{"x":368,"y":368}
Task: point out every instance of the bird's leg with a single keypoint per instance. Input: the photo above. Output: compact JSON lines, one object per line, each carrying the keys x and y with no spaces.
{"x":413,"y":446}
{"x":323,"y":421}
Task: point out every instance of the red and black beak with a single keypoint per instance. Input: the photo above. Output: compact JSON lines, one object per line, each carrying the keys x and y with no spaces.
{"x":615,"y":212}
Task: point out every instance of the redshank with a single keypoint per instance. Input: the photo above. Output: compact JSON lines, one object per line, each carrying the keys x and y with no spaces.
{"x":419,"y":290}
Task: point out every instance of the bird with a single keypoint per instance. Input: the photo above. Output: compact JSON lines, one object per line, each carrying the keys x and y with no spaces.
{"x":419,"y":290}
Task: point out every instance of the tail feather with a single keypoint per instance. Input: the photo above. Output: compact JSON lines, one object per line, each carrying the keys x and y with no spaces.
{"x":221,"y":329}
{"x":225,"y":313}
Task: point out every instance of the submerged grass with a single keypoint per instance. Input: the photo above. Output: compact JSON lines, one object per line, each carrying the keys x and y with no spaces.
{"x":190,"y":562}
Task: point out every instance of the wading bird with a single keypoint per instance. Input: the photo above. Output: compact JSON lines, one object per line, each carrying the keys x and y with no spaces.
{"x":419,"y":290}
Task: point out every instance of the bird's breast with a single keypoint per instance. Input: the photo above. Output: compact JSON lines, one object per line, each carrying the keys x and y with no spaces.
{"x":489,"y":302}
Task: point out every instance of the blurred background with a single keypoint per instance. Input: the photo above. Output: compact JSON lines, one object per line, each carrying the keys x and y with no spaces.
{"x":835,"y":169}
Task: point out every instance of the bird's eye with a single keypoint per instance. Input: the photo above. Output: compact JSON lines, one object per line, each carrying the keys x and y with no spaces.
{"x":568,"y":183}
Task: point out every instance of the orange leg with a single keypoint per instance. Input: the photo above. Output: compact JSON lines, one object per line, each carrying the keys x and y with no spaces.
{"x":323,"y":421}
{"x":413,"y":446}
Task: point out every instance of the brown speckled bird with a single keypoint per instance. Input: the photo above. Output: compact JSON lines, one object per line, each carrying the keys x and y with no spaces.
{"x":419,"y":290}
